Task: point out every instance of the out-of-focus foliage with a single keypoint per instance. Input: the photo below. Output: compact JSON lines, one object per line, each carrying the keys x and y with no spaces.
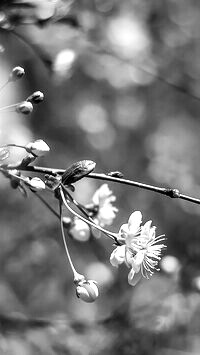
{"x":121,"y":82}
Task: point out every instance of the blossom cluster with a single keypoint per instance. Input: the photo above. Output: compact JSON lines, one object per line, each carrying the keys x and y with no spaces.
{"x":137,"y":245}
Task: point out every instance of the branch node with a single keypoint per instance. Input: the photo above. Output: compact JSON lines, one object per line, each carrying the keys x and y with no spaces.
{"x":173,"y":193}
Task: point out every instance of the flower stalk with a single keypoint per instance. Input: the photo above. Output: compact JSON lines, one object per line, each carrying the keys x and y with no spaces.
{"x":77,"y":277}
{"x":108,"y":233}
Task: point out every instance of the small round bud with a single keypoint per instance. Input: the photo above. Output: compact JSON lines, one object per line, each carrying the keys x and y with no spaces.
{"x":36,"y":97}
{"x":24,"y":107}
{"x":87,"y":291}
{"x":80,"y":230}
{"x":39,"y":147}
{"x":17,"y":73}
{"x":36,"y":184}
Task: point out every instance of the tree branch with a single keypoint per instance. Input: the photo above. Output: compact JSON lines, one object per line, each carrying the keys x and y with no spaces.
{"x":169,"y":192}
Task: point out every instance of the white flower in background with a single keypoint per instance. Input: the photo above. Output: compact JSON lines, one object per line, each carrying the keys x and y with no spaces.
{"x":170,"y":264}
{"x":80,"y":230}
{"x":63,"y":62}
{"x":103,"y":199}
{"x":39,"y":147}
{"x":141,"y":250}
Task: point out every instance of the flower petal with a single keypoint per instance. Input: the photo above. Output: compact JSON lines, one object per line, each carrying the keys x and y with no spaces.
{"x":118,"y":256}
{"x":134,"y":222}
{"x":134,"y":277}
{"x":145,"y":230}
{"x":101,"y":195}
{"x":106,"y":214}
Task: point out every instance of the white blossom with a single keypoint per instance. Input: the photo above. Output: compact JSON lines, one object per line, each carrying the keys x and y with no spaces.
{"x":141,"y":249}
{"x":80,"y":230}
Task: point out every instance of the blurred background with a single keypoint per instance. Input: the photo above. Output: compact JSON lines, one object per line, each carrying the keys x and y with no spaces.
{"x":122,"y":87}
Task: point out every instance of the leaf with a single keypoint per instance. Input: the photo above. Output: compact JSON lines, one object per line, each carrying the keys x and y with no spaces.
{"x":77,"y":171}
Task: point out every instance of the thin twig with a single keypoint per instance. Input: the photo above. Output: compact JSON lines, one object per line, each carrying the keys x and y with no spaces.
{"x":4,"y":85}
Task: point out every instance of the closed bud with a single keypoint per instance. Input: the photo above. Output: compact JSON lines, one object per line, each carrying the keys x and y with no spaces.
{"x":87,"y":291}
{"x":36,"y":184}
{"x":24,"y":107}
{"x":17,"y":73}
{"x":39,"y":147}
{"x":77,"y":171}
{"x":36,"y":97}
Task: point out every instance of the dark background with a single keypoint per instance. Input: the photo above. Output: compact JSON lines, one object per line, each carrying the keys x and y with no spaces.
{"x":122,"y":87}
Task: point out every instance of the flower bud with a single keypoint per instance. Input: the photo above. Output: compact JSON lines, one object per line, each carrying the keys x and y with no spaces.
{"x":87,"y":291}
{"x":36,"y":97}
{"x":80,"y":230}
{"x":17,"y":73}
{"x":36,"y":184}
{"x":24,"y":107}
{"x":39,"y":147}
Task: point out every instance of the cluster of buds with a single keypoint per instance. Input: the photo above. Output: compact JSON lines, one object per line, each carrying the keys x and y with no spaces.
{"x":35,"y":150}
{"x":25,"y":107}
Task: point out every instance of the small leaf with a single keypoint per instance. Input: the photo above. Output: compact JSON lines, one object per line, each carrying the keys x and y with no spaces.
{"x":77,"y":171}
